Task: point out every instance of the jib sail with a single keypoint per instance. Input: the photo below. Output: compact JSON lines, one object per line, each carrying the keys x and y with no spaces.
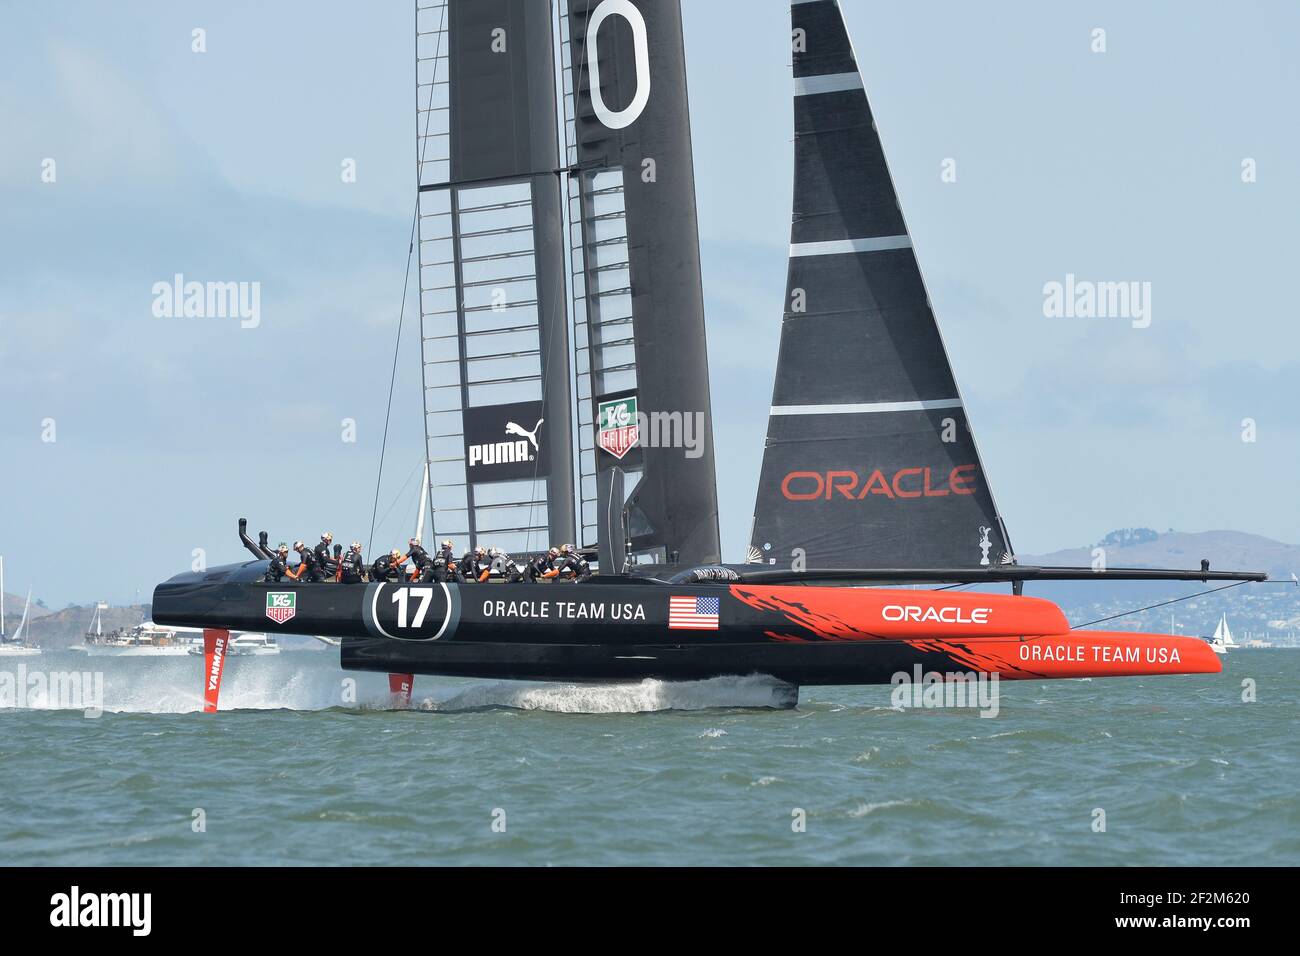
{"x":494,"y":327}
{"x":646,"y":441}
{"x":870,"y":460}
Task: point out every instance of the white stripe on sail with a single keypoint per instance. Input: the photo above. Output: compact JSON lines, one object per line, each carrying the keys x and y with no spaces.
{"x":867,"y":407}
{"x":833,"y":247}
{"x":827,"y":83}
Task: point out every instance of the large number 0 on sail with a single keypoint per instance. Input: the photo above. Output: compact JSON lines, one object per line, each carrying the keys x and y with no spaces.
{"x":500,"y":401}
{"x":646,"y":456}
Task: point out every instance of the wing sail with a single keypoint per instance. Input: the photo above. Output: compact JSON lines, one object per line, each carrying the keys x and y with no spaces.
{"x":641,"y":358}
{"x":493,"y":303}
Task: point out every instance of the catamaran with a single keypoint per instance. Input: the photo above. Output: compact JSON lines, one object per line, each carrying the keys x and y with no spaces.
{"x":566,"y":392}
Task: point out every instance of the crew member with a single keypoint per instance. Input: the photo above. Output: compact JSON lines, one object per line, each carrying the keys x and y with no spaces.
{"x":423,"y":570}
{"x":445,"y":570}
{"x":546,"y":564}
{"x":325,"y":563}
{"x":535,"y":568}
{"x":352,"y":567}
{"x":472,"y":564}
{"x":279,"y":565}
{"x":306,"y":568}
{"x":388,"y":567}
{"x":487,"y":562}
{"x":505,"y":566}
{"x":572,"y":565}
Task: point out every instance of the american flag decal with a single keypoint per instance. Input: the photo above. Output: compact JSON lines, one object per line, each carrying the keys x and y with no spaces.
{"x":693,"y":613}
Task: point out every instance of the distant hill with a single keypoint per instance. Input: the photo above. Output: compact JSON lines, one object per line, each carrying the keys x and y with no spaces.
{"x":1142,"y":547}
{"x":67,"y":627}
{"x":13,"y":605}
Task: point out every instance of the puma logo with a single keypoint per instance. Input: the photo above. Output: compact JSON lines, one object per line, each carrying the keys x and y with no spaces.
{"x":513,"y":429}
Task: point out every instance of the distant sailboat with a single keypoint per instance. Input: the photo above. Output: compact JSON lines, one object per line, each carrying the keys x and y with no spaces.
{"x":1222,"y":639}
{"x":17,"y":646}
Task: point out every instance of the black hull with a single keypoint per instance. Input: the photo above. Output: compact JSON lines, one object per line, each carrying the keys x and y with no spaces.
{"x":629,"y":629}
{"x":561,"y":647}
{"x":805,"y":664}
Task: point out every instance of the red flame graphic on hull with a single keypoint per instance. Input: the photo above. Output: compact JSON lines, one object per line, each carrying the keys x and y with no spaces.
{"x":1020,"y":638}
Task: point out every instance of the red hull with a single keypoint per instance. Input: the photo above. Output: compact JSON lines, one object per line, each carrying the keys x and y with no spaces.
{"x":1020,"y":638}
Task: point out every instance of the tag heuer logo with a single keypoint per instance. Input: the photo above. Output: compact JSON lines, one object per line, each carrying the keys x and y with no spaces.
{"x":280,"y":605}
{"x":617,"y":430}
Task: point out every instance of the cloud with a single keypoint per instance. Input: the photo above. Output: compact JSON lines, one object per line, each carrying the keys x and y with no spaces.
{"x":100,"y":129}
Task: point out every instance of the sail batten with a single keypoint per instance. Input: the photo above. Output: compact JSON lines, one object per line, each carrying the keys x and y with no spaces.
{"x":827,"y":83}
{"x":866,"y":408}
{"x":838,"y":247}
{"x":869,"y":460}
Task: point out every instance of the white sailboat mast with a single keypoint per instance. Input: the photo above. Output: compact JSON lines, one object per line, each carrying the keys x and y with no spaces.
{"x":424,"y":503}
{"x":18,"y":634}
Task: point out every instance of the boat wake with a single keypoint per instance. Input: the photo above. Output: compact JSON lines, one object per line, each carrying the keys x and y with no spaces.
{"x":307,"y":682}
{"x":633,"y":697}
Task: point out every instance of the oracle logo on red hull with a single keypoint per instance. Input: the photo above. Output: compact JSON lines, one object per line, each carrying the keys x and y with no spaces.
{"x":937,"y":615}
{"x":905,"y":483}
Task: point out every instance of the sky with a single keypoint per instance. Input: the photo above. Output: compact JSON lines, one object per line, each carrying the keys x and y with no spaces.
{"x":129,"y":441}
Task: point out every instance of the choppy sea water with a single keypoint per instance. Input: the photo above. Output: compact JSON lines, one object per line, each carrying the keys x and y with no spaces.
{"x":712,"y":772}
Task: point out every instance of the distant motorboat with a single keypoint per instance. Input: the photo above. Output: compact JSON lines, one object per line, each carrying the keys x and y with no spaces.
{"x":144,"y":640}
{"x":246,"y":645}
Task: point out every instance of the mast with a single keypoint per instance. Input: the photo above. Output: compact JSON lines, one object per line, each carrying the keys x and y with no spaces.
{"x":870,"y":460}
{"x":494,"y":326}
{"x":424,"y":503}
{"x":639,"y":340}
{"x":22,"y":624}
{"x":2,"y":598}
